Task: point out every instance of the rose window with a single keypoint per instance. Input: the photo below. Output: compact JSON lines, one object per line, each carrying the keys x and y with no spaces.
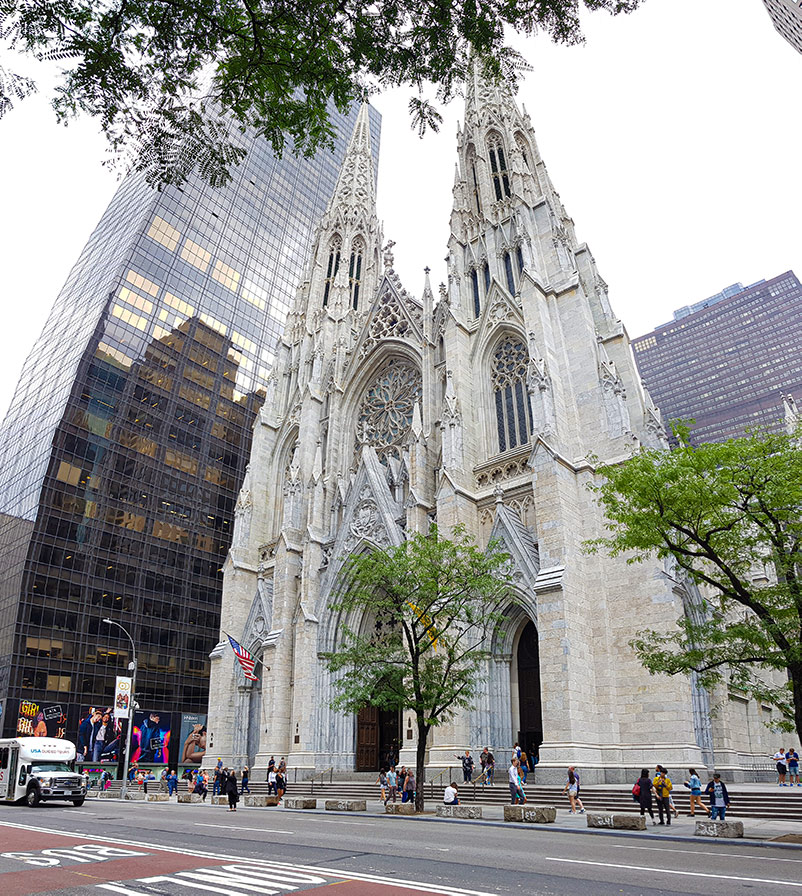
{"x":385,"y":415}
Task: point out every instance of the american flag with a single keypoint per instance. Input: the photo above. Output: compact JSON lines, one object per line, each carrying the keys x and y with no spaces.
{"x":245,"y":659}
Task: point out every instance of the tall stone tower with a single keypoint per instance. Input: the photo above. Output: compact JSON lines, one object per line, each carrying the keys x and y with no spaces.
{"x":490,"y":408}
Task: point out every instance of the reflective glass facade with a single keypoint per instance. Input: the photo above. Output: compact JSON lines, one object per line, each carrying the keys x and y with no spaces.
{"x":126,"y":441}
{"x":726,"y":366}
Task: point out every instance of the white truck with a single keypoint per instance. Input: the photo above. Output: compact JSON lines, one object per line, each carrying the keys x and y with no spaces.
{"x":35,"y":769}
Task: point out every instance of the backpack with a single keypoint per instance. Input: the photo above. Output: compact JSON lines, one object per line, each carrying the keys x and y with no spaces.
{"x":636,"y":792}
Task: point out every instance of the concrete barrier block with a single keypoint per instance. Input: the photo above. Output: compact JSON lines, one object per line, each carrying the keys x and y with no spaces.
{"x":728,"y":829}
{"x":460,"y":811}
{"x":108,"y":795}
{"x":157,"y":797}
{"x":622,"y":822}
{"x":300,"y":802}
{"x":400,"y":809}
{"x":135,"y":795}
{"x":219,"y":800}
{"x":190,"y":798}
{"x":531,"y":814}
{"x":346,"y":805}
{"x":259,"y":801}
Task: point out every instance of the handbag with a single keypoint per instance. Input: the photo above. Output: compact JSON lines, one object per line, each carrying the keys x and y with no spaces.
{"x":636,"y":792}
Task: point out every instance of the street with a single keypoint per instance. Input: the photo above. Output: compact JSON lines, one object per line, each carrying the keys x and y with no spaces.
{"x":135,"y":849}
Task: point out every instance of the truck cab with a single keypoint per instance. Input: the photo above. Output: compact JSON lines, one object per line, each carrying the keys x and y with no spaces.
{"x":37,"y":769}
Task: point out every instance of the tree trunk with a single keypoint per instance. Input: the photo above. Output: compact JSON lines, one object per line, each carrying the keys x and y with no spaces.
{"x":420,"y":759}
{"x":795,"y":677}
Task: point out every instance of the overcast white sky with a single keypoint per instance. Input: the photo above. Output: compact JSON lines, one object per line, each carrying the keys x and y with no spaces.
{"x":674,"y":138}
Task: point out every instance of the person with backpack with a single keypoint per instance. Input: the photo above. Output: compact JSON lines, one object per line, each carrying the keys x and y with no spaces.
{"x":719,"y":798}
{"x":662,"y":788}
{"x":572,"y":787}
{"x":642,"y":794}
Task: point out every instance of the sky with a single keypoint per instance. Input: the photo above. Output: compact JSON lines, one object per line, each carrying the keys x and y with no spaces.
{"x":673,"y":137}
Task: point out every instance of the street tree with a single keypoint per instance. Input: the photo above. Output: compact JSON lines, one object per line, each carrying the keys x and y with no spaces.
{"x":171,"y":81}
{"x":729,"y":514}
{"x":418,"y":622}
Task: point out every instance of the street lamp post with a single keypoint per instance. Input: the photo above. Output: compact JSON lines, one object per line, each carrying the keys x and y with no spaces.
{"x":132,"y":704}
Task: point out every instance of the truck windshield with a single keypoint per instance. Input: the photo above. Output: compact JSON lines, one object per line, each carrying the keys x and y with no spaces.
{"x":48,"y":768}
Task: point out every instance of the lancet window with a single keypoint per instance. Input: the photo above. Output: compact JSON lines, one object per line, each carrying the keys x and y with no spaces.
{"x":332,"y":267}
{"x":508,"y":379}
{"x":477,"y":304}
{"x":508,"y":272}
{"x":498,"y":167}
{"x":474,"y":180}
{"x":486,"y":270}
{"x":519,"y":257}
{"x":355,"y":271}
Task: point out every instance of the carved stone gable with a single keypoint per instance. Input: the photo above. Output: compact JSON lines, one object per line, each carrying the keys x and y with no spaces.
{"x":393,"y":316}
{"x":518,"y":542}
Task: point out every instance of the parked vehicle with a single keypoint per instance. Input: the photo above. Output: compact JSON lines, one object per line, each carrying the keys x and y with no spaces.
{"x":36,"y":769}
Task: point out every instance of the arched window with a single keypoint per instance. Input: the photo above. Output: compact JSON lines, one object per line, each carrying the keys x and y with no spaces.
{"x":498,"y":167}
{"x":508,"y":378}
{"x":508,"y":272}
{"x":355,"y":271}
{"x":385,"y":414}
{"x":487,"y":278}
{"x":519,"y":257}
{"x":477,"y":305}
{"x":333,"y":267}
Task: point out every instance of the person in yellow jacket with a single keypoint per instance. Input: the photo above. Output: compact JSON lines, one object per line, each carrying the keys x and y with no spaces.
{"x":663,"y":787}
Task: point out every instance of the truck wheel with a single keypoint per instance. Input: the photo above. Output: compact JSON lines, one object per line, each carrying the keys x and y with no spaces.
{"x":32,"y":797}
{"x":79,"y":801}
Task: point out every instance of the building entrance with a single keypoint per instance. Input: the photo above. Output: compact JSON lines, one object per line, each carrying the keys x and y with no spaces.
{"x":378,"y":735}
{"x":530,"y":736}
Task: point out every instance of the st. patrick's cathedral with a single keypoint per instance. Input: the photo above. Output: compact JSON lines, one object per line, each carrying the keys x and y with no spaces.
{"x":489,"y":403}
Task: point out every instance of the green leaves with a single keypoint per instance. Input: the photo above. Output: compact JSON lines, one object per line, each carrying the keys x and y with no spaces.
{"x":271,"y":65}
{"x":729,"y":514}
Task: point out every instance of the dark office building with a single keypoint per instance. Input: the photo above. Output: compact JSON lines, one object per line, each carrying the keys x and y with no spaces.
{"x":126,"y":441}
{"x":725,"y":362}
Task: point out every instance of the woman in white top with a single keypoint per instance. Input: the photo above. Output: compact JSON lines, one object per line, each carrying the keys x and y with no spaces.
{"x":450,"y":797}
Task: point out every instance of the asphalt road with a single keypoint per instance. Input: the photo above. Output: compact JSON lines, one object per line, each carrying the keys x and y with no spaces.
{"x":135,"y":849}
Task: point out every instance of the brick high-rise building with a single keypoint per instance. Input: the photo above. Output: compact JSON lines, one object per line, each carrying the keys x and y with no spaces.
{"x":725,"y":362}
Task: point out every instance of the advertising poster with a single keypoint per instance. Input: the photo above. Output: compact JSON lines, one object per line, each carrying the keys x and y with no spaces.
{"x":41,"y":719}
{"x":122,"y":697}
{"x":99,"y":735}
{"x":151,"y":737}
{"x":193,"y":738}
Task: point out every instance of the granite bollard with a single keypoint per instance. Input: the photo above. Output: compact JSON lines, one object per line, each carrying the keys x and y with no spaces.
{"x":620,"y":822}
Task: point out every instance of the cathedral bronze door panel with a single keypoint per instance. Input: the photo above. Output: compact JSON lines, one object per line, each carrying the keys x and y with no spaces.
{"x":367,"y":739}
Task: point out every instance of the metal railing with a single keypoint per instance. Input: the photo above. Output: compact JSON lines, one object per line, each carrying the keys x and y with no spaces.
{"x":437,"y":777}
{"x":326,"y":771}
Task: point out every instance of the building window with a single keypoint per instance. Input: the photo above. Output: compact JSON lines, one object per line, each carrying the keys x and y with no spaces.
{"x":498,"y":168}
{"x":508,"y":378}
{"x":385,"y":414}
{"x":486,"y":269}
{"x":519,"y":257}
{"x":355,"y":271}
{"x":508,"y":272}
{"x":333,"y":267}
{"x":477,"y":305}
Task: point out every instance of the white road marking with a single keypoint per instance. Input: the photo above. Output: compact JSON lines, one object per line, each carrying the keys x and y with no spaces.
{"x":437,"y":848}
{"x":727,"y":855}
{"x":116,"y":888}
{"x":364,"y":824}
{"x":235,"y":827}
{"x":268,"y":866}
{"x":750,"y":880}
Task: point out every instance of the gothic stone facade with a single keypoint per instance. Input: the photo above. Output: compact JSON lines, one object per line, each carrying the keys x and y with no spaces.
{"x":489,"y":407}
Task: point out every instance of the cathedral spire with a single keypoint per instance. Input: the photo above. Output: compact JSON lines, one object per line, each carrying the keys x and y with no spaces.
{"x":355,"y":185}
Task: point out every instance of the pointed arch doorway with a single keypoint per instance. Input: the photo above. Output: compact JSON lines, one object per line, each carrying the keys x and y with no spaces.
{"x":526,"y":677}
{"x":378,"y":737}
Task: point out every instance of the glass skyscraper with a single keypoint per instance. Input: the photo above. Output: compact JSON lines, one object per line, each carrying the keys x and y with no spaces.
{"x":126,"y":441}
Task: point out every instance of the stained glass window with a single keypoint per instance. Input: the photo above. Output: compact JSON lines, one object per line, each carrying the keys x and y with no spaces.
{"x":508,"y":377}
{"x":355,"y":271}
{"x":333,"y":267}
{"x":498,"y":168}
{"x":385,"y":414}
{"x":508,"y":272}
{"x":477,"y":305}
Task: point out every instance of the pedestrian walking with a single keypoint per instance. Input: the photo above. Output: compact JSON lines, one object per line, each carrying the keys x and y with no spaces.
{"x":694,"y":784}
{"x":792,"y":761}
{"x":490,"y":768}
{"x":642,"y":792}
{"x":382,"y":782}
{"x":524,"y":767}
{"x":217,"y":781}
{"x":244,"y":788}
{"x":779,"y":758}
{"x":172,"y":783}
{"x":662,"y":789}
{"x":271,"y":782}
{"x":572,"y":788}
{"x":719,"y":798}
{"x":409,"y":787}
{"x":514,"y":781}
{"x":281,"y":785}
{"x":392,"y":785}
{"x":163,"y":781}
{"x":231,"y":790}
